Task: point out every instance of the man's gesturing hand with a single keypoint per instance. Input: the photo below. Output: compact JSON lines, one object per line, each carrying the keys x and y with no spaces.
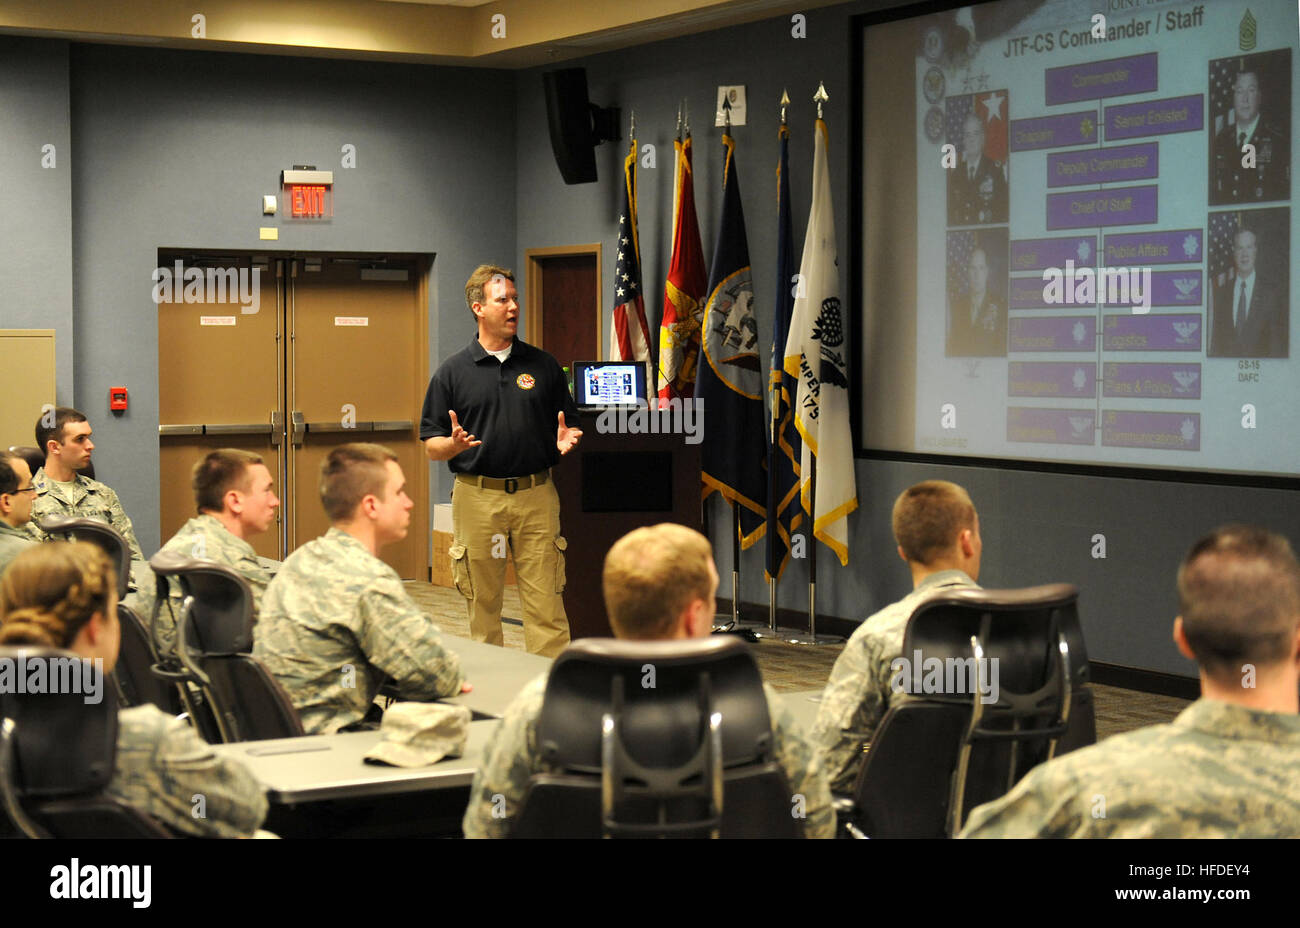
{"x":566,"y":438}
{"x":461,"y":440}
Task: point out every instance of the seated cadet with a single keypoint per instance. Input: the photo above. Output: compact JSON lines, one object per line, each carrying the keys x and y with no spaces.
{"x":659,"y":584}
{"x":63,"y":595}
{"x":336,"y":620}
{"x":232,"y":492}
{"x":16,"y":492}
{"x":938,"y":535}
{"x":1229,"y":765}
{"x":62,"y":490}
{"x":64,"y":435}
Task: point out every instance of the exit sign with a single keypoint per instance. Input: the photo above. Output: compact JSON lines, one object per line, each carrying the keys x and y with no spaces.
{"x":308,"y":193}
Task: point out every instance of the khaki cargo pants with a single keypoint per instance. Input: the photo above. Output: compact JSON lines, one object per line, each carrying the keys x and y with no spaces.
{"x":528,"y":521}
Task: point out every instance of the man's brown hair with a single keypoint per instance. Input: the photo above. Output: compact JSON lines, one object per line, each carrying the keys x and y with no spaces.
{"x":929,"y":516}
{"x":1239,"y":596}
{"x":349,"y":474}
{"x":220,"y":472}
{"x":8,"y":476}
{"x":651,"y":575}
{"x":478,"y":280}
{"x":62,"y":416}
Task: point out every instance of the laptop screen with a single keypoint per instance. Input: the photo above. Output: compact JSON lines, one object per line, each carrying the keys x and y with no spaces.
{"x":609,"y":383}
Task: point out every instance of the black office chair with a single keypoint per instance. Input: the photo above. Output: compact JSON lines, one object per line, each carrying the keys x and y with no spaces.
{"x":133,"y":675}
{"x":214,"y":635}
{"x":656,"y":739}
{"x":57,"y":754}
{"x":935,"y":756}
{"x":35,"y":459}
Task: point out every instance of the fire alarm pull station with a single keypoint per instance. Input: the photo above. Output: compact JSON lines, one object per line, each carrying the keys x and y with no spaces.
{"x":117,"y":398}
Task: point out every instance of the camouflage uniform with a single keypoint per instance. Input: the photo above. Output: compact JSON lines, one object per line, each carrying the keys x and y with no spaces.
{"x":90,"y":499}
{"x":205,"y":538}
{"x":84,"y":498}
{"x":858,"y":692}
{"x":1217,"y":771}
{"x":513,"y":755}
{"x":162,"y":766}
{"x":335,"y":621}
{"x":12,"y":543}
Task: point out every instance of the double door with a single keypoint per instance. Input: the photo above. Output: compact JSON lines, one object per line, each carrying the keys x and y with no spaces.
{"x":330,"y":349}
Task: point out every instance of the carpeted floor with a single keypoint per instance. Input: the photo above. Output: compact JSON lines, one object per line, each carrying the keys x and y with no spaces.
{"x":792,"y":667}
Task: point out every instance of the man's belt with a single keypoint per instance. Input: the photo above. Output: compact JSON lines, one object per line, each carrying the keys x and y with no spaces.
{"x":509,"y":484}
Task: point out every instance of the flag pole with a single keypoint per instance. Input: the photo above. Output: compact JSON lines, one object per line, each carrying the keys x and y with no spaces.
{"x":820,"y":97}
{"x":773,"y":516}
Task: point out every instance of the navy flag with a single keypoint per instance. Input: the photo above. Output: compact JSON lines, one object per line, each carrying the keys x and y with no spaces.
{"x":784,"y":515}
{"x":730,"y":380}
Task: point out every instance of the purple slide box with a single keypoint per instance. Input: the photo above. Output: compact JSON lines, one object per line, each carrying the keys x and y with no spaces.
{"x":1055,"y":131}
{"x":1155,"y":332}
{"x":1058,"y":333}
{"x":1103,"y":165}
{"x":1152,"y":381}
{"x":1052,"y":378}
{"x":1155,"y":117}
{"x":1037,"y":254}
{"x":1168,"y":288}
{"x":1027,"y":293}
{"x":1088,"y":209}
{"x":1166,"y":431}
{"x":1113,"y":78}
{"x":1138,"y":249}
{"x":1052,"y":426}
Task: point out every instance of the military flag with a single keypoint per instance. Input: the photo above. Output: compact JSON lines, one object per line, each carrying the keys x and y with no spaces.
{"x":679,"y":333}
{"x":730,"y":381}
{"x":629,"y":336}
{"x":784,"y":446}
{"x":816,"y":353}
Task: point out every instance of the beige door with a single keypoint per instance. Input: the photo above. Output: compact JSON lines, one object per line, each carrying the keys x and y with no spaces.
{"x":27,"y":359}
{"x":219,"y":382}
{"x":357,"y":373}
{"x":336,"y":353}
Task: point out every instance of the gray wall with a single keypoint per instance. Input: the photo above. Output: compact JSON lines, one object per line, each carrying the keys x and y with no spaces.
{"x":1037,"y":527}
{"x":177,"y":149}
{"x":36,"y":202}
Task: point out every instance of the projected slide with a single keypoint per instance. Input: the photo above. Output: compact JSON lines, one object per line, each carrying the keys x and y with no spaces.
{"x":1100,"y":234}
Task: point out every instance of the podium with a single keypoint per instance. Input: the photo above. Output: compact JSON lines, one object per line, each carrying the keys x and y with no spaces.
{"x":610,"y":484}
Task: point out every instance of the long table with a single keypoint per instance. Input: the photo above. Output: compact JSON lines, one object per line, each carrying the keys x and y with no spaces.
{"x":498,"y":674}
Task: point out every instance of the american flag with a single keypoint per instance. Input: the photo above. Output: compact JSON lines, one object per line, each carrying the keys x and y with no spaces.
{"x":629,"y":337}
{"x":1223,"y":226}
{"x":960,"y":245}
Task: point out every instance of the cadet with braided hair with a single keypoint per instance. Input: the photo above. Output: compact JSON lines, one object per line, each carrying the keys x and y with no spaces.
{"x":63,"y":595}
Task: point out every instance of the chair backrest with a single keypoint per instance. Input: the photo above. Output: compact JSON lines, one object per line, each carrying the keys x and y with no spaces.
{"x":60,"y":749}
{"x":961,"y":739}
{"x":136,"y":659}
{"x":35,"y":459}
{"x":97,"y":533}
{"x":214,"y":638}
{"x":666,"y":738}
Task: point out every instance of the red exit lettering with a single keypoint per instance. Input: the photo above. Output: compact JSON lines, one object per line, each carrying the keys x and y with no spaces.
{"x":307,"y":200}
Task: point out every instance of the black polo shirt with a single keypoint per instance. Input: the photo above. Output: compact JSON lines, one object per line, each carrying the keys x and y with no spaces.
{"x":513,"y":408}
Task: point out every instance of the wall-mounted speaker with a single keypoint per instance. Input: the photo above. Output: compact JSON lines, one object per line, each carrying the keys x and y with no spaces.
{"x":577,"y":126}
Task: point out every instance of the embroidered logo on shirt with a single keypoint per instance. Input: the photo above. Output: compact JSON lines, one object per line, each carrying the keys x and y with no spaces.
{"x":525,"y":381}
